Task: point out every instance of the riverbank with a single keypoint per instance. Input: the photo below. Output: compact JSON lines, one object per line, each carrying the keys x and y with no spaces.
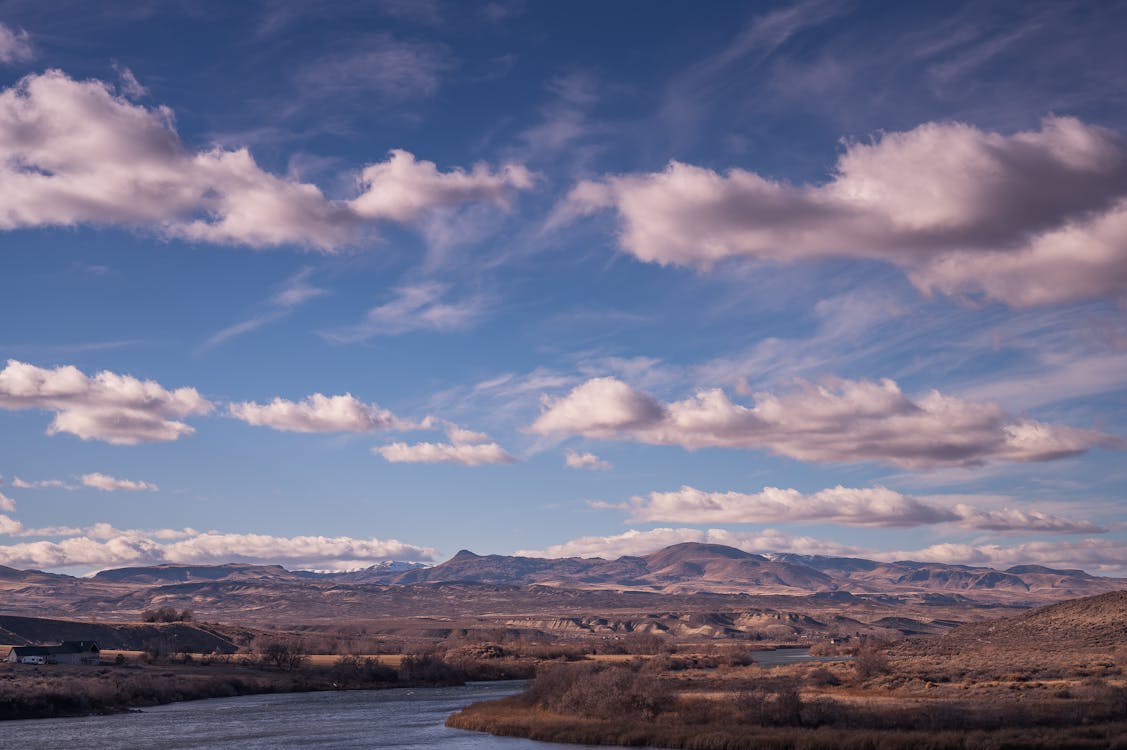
{"x":37,"y":692}
{"x":880,"y":700}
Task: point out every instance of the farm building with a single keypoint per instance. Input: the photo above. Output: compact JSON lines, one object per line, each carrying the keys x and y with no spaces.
{"x":67,"y":652}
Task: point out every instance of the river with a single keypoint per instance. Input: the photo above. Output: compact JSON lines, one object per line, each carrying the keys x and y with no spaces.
{"x":349,"y":720}
{"x":358,"y":719}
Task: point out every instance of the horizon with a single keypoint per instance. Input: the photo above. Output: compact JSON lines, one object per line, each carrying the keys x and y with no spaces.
{"x":324,"y":286}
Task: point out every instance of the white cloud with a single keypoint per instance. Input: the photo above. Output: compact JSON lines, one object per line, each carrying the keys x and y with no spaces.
{"x":71,"y":152}
{"x":110,"y":484}
{"x":118,"y":409}
{"x":1030,"y":218}
{"x":875,"y":506}
{"x":466,"y":447}
{"x":415,"y":307}
{"x":103,"y":546}
{"x":317,"y":413}
{"x":402,"y":188}
{"x":467,"y":454}
{"x":635,"y":542}
{"x":128,"y":83}
{"x":1095,"y":554}
{"x":7,"y":503}
{"x":585,"y":460}
{"x":848,"y":421}
{"x":40,"y":484}
{"x":15,"y":46}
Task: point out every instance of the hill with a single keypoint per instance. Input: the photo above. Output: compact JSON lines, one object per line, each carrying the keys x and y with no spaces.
{"x":22,"y":631}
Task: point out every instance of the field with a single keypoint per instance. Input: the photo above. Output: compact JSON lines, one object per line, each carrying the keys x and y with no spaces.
{"x":1053,"y":678}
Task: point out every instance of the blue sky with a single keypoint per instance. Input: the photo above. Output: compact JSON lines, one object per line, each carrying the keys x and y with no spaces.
{"x":327,"y":284}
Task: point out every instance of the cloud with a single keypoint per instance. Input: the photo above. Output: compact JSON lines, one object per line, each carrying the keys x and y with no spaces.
{"x":15,"y":46}
{"x":588,"y":461}
{"x":128,"y":84}
{"x":40,"y":484}
{"x":1095,"y":554}
{"x":466,"y":447}
{"x":296,"y":291}
{"x":873,"y":507}
{"x":7,"y":503}
{"x":317,"y":413}
{"x":104,"y":547}
{"x":1031,"y":218}
{"x":634,"y":542}
{"x":109,"y":484}
{"x":402,"y":188}
{"x":415,"y":307}
{"x":385,"y":67}
{"x":118,"y":409}
{"x":847,"y":421}
{"x":74,"y":153}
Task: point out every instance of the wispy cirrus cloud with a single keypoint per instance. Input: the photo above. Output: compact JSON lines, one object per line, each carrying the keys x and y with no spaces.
{"x":15,"y":45}
{"x":74,"y":153}
{"x":1035,"y":217}
{"x":295,"y":292}
{"x":382,"y":66}
{"x":846,"y":421}
{"x":415,"y":307}
{"x":117,"y":409}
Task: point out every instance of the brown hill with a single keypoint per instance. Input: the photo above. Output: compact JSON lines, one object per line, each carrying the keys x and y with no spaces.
{"x":1094,"y":622}
{"x":22,"y":631}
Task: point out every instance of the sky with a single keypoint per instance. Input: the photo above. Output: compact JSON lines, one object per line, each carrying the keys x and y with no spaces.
{"x":328,"y":284}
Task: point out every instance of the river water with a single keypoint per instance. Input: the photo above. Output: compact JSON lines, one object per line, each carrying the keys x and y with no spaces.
{"x":358,"y":719}
{"x":349,"y":720}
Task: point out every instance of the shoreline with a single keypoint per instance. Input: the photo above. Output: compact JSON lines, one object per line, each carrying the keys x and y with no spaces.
{"x":62,"y":691}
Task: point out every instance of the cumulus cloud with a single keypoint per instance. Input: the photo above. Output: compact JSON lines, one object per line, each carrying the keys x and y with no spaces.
{"x":118,"y":409}
{"x":1092,"y":554}
{"x":102,"y":547}
{"x":590,"y":461}
{"x":7,"y":503}
{"x":874,"y":506}
{"x":403,"y":188}
{"x":1029,"y":218}
{"x":317,"y":413}
{"x":466,"y":447}
{"x":15,"y":45}
{"x":72,"y":152}
{"x":414,"y":307}
{"x":843,"y":422}
{"x":110,"y":484}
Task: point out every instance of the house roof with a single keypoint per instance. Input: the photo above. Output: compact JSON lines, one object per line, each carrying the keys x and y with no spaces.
{"x":66,"y":647}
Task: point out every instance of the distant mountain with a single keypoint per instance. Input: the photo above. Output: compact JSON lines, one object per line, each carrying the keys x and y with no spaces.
{"x":682,"y":568}
{"x":716,"y":575}
{"x":1035,"y":582}
{"x":161,"y":574}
